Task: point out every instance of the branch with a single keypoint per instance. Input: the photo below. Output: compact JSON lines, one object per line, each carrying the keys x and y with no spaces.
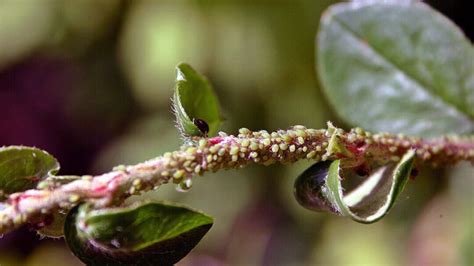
{"x":225,"y":152}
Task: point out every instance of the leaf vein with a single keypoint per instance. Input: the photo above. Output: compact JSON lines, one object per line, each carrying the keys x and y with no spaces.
{"x":420,"y":84}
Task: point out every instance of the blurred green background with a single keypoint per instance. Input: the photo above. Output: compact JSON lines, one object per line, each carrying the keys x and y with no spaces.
{"x":90,"y":81}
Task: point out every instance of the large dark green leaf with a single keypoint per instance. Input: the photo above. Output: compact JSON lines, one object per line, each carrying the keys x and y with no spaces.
{"x":397,"y":66}
{"x":148,"y":234}
{"x":195,"y":103}
{"x":21,"y":168}
{"x":319,"y":188}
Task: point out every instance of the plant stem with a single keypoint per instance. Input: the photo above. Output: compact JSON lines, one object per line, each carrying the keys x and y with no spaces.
{"x":224,"y":152}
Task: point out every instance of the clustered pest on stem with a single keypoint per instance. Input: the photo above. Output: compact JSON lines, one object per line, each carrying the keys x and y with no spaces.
{"x":224,"y":151}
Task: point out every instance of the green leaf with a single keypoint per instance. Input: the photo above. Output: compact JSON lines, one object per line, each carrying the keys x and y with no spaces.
{"x":193,"y":101}
{"x":319,"y":188}
{"x":147,"y":234}
{"x":21,"y":168}
{"x":397,"y":66}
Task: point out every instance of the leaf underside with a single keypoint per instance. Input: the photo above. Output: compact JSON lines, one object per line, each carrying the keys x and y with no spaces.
{"x":319,"y":188}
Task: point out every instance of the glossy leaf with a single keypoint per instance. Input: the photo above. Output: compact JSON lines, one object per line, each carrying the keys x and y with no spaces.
{"x":21,"y":168}
{"x":147,"y":234}
{"x":319,"y":188}
{"x":397,"y":66}
{"x":52,"y":226}
{"x":194,"y":103}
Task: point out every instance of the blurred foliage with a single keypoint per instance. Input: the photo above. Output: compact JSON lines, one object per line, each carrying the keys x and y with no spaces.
{"x":90,"y":82}
{"x":397,"y":68}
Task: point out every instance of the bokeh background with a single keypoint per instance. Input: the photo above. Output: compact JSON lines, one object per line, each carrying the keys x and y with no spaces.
{"x":90,"y":81}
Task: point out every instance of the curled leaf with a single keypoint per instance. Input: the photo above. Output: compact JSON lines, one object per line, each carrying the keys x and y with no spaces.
{"x":319,"y":188}
{"x":21,"y":168}
{"x":194,"y":103}
{"x":146,"y":234}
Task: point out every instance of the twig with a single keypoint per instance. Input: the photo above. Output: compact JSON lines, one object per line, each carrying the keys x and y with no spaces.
{"x":224,"y":152}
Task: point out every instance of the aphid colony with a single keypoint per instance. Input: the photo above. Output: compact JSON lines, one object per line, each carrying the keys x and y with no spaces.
{"x":285,"y":146}
{"x":228,"y":151}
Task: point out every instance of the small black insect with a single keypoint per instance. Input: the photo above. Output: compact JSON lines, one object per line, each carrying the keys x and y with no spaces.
{"x":202,"y":125}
